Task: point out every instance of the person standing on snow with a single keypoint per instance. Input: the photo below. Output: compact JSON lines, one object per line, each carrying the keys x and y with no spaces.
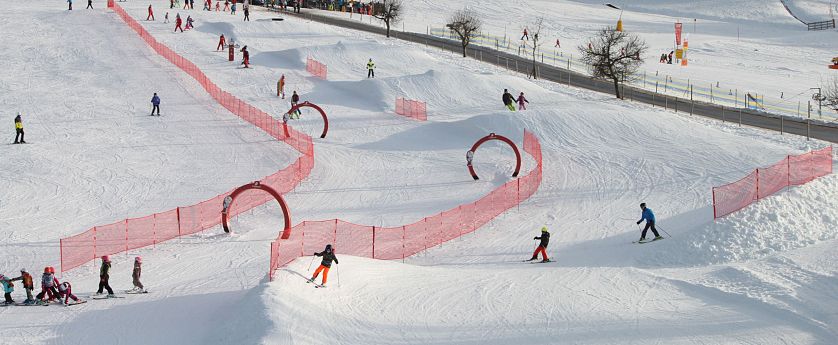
{"x":28,"y":285}
{"x":89,"y":4}
{"x":370,"y":69}
{"x":280,"y":87}
{"x":521,"y":101}
{"x":328,"y":256}
{"x":150,"y":13}
{"x":166,"y":18}
{"x":295,"y":98}
{"x":155,"y":104}
{"x":558,"y":44}
{"x":233,"y":8}
{"x":48,"y":284}
{"x":138,"y":270}
{"x":189,"y":22}
{"x":104,"y":276}
{"x":525,"y":35}
{"x":221,"y":43}
{"x":66,"y":290}
{"x":245,"y":57}
{"x":178,"y":23}
{"x":217,"y":6}
{"x":70,"y":2}
{"x":246,"y":13}
{"x":226,"y":5}
{"x":207,"y":6}
{"x":542,"y":247}
{"x":649,"y":216}
{"x":8,"y":288}
{"x":508,"y":100}
{"x":19,"y":130}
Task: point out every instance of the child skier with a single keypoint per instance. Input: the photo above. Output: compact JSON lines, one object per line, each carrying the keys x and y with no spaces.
{"x":8,"y":288}
{"x":89,"y":4}
{"x":221,"y":43}
{"x":28,"y":285}
{"x":19,"y":130}
{"x":542,"y":247}
{"x":521,"y":100}
{"x":525,"y":35}
{"x":48,"y":284}
{"x":166,"y":18}
{"x":295,"y":98}
{"x":245,"y":57}
{"x":233,"y":8}
{"x":155,"y":104}
{"x":178,"y":23}
{"x":370,"y":69}
{"x":104,"y":276}
{"x":508,"y":100}
{"x":189,"y":22}
{"x":150,"y":13}
{"x":138,"y":270}
{"x":328,"y":256}
{"x":66,"y":291}
{"x":280,"y":87}
{"x":226,"y":5}
{"x":70,"y":3}
{"x":649,"y":217}
{"x":246,"y":12}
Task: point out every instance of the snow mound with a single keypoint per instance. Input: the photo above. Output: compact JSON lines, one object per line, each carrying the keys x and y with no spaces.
{"x":799,"y":217}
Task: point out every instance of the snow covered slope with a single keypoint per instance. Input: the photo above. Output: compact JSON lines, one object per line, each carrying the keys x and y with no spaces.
{"x":602,"y":157}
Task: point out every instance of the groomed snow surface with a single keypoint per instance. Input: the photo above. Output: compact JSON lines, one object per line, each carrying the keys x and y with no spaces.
{"x":764,"y":275}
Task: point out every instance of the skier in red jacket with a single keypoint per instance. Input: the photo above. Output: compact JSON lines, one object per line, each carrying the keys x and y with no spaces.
{"x":178,"y":23}
{"x":221,"y":43}
{"x":150,"y":13}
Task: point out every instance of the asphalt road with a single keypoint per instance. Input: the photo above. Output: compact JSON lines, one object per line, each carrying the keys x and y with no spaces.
{"x":778,"y":123}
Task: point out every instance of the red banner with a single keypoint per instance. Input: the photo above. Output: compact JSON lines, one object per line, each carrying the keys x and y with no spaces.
{"x":678,"y":33}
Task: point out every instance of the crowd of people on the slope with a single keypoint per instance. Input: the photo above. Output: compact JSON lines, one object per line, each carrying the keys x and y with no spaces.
{"x":53,"y":290}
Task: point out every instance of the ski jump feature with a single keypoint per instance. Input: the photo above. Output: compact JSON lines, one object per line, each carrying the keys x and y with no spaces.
{"x":493,"y":136}
{"x":297,"y":107}
{"x":228,"y":201}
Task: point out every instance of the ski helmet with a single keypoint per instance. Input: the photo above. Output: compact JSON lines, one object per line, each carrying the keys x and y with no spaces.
{"x":50,"y":270}
{"x":328,"y":247}
{"x":642,"y":204}
{"x":106,"y":258}
{"x":543,"y":229}
{"x":138,"y":259}
{"x":46,"y":269}
{"x":23,"y":270}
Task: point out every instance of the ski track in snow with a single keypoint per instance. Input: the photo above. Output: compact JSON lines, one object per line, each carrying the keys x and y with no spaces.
{"x":601,"y":158}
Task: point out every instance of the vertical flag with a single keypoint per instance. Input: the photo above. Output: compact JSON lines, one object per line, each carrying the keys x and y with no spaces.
{"x":678,"y":34}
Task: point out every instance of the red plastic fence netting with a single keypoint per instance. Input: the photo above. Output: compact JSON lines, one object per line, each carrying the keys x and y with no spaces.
{"x":316,"y":68}
{"x":412,"y":109}
{"x":141,"y":232}
{"x":390,"y":243}
{"x":791,"y":171}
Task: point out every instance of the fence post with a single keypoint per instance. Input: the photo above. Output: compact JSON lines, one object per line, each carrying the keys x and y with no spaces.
{"x":61,"y":254}
{"x":781,"y":125}
{"x":403,"y":246}
{"x":715,"y":215}
{"x":757,"y":184}
{"x":373,"y":242}
{"x":125,"y":223}
{"x":94,"y":243}
{"x":179,"y":233}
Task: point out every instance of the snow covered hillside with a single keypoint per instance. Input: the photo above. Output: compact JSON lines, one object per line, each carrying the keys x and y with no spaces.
{"x":765,"y":275}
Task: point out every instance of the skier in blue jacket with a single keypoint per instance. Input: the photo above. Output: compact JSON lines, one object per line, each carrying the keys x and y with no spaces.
{"x":649,"y":217}
{"x":155,"y":102}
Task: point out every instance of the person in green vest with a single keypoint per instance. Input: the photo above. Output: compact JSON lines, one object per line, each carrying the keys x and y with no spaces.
{"x":370,"y":69}
{"x":19,"y":130}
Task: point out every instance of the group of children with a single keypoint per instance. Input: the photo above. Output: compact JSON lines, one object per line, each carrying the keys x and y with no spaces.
{"x":52,"y":290}
{"x":509,"y":101}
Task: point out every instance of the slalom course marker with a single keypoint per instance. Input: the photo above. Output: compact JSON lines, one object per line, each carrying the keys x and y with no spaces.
{"x":228,"y":201}
{"x":493,"y":136}
{"x":309,"y":105}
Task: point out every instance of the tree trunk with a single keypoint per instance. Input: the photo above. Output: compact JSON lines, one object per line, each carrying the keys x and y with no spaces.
{"x":387,"y":22}
{"x":617,"y":88}
{"x":464,"y":50}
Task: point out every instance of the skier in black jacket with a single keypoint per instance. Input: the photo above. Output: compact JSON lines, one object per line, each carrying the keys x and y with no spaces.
{"x":508,"y":100}
{"x":328,"y":256}
{"x":542,"y":247}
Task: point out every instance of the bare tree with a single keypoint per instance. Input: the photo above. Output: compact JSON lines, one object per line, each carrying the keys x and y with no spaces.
{"x":464,"y":23}
{"x":614,"y":55}
{"x":388,"y":11}
{"x":830,"y":94}
{"x":536,"y":43}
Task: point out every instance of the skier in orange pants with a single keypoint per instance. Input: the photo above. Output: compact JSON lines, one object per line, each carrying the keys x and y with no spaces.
{"x":542,"y":247}
{"x":150,"y":13}
{"x":328,"y":256}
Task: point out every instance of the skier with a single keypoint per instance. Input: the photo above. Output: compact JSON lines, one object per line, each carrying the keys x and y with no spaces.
{"x":19,"y":130}
{"x":189,"y":21}
{"x":150,"y":13}
{"x":66,"y":290}
{"x":166,"y":18}
{"x":370,"y":69}
{"x":155,"y":104}
{"x":246,"y":13}
{"x":217,"y":6}
{"x":206,"y":5}
{"x":233,"y":8}
{"x":104,"y":276}
{"x":89,"y":4}
{"x":328,"y":256}
{"x":226,"y":5}
{"x":542,"y":247}
{"x":280,"y":87}
{"x":650,"y":223}
{"x":171,"y":4}
{"x":178,"y":22}
{"x":26,"y":279}
{"x":508,"y":100}
{"x":669,"y":59}
{"x":558,"y":44}
{"x":138,"y":286}
{"x":221,"y":43}
{"x":469,"y":157}
{"x":186,"y":4}
{"x":521,"y":100}
{"x":295,"y":98}
{"x":48,"y":284}
{"x":70,"y":2}
{"x":245,"y":57}
{"x":526,"y":35}
{"x":8,"y":288}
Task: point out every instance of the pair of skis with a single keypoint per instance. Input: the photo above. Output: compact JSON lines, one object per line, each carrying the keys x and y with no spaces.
{"x":316,"y":286}
{"x":647,"y":241}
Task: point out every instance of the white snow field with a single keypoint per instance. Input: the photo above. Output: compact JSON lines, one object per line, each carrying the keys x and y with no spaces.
{"x":764,"y":275}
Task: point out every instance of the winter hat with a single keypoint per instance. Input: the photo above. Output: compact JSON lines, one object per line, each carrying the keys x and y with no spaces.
{"x":328,"y":247}
{"x":23,"y":270}
{"x":46,"y":269}
{"x":138,"y":259}
{"x":543,"y":229}
{"x":51,"y":269}
{"x":642,"y":204}
{"x":106,"y":258}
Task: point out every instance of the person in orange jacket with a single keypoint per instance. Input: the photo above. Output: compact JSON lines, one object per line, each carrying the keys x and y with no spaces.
{"x":328,"y":256}
{"x":280,"y":87}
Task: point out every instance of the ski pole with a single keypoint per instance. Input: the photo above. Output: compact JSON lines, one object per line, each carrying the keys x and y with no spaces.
{"x":664,"y":231}
{"x":338,"y":273}
{"x":309,"y":263}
